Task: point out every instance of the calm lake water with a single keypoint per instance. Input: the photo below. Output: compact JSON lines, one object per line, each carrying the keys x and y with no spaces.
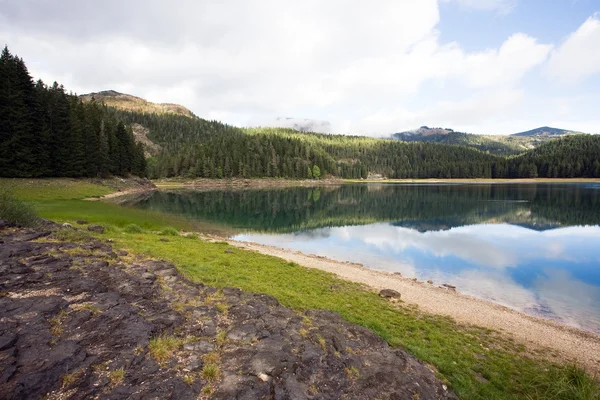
{"x":534,"y":248}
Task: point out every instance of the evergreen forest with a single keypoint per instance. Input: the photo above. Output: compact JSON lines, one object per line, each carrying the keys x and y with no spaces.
{"x":46,"y":131}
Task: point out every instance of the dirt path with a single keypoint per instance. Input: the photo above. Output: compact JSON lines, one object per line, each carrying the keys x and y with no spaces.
{"x":571,"y":344}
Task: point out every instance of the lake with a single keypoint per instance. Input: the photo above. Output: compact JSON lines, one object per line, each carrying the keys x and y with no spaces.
{"x":531,"y":247}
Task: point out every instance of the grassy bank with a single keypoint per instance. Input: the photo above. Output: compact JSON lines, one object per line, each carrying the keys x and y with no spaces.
{"x":477,"y":363}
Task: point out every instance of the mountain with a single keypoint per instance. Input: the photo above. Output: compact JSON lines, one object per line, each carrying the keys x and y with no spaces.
{"x":546,"y":131}
{"x":493,"y":144}
{"x":196,"y":148}
{"x":503,"y":145}
{"x":128,"y":102}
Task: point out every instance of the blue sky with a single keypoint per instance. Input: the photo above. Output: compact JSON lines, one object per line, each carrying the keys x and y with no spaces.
{"x":374,"y":68}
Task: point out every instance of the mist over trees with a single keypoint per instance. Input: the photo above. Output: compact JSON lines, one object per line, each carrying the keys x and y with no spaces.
{"x":45,"y":131}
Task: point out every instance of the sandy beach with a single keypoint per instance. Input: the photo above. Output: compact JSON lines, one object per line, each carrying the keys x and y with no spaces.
{"x":568,"y":344}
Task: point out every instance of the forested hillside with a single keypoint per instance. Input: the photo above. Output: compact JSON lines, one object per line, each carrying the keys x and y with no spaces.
{"x":193,"y":147}
{"x":46,"y":132}
{"x":568,"y":157}
{"x":493,"y":144}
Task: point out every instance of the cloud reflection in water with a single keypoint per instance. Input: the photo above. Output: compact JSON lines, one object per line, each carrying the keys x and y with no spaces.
{"x":553,"y":273}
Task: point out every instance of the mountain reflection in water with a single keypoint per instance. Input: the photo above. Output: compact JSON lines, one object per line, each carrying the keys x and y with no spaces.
{"x":533,"y":248}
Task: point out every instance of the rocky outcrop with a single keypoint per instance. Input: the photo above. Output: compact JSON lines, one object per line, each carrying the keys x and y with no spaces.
{"x":83,"y":321}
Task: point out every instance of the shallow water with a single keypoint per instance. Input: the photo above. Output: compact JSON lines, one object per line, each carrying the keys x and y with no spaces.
{"x":531,"y":247}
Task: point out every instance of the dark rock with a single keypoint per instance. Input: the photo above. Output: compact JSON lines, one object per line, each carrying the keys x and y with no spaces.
{"x":451,"y":287}
{"x":164,"y":239}
{"x":8,"y":339}
{"x":96,"y":228}
{"x":82,"y":222}
{"x":390,"y":294}
{"x":430,"y":282}
{"x":149,"y":276}
{"x":194,"y":363}
{"x":104,"y":316}
{"x":122,"y":253}
{"x":229,"y":251}
{"x":200,"y":346}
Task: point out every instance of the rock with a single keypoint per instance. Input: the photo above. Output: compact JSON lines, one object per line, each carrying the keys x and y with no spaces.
{"x":149,"y":276}
{"x":390,"y":294}
{"x":96,"y":228}
{"x":164,"y":239}
{"x":67,"y":225}
{"x":101,"y":314}
{"x":166,"y":272}
{"x":264,"y":377}
{"x":7,"y":340}
{"x":193,"y":364}
{"x":200,"y":346}
{"x":451,"y":287}
{"x":430,"y":282}
{"x":229,"y":251}
{"x":122,"y":253}
{"x":398,"y":273}
{"x":82,"y":222}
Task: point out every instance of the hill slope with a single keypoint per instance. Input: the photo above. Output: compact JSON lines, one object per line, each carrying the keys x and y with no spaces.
{"x":546,"y":131}
{"x":493,"y":144}
{"x":136,"y":104}
{"x":198,"y":148}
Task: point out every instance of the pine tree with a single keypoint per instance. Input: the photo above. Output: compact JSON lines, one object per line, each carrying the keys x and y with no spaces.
{"x":316,"y":172}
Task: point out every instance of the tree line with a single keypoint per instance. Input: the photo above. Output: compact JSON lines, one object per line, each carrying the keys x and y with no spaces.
{"x":45,"y":131}
{"x":48,"y":132}
{"x":196,"y":148}
{"x":421,"y":207}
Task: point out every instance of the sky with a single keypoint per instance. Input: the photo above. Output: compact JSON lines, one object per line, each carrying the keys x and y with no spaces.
{"x":370,"y":68}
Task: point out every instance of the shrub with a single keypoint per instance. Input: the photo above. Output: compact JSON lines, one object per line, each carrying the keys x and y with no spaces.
{"x":133,"y":228}
{"x":16,"y":212}
{"x":169,"y":232}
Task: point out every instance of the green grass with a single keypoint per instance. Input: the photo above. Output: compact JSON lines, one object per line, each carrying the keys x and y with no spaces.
{"x":16,"y":211}
{"x":97,"y":212}
{"x":478,"y":363}
{"x":133,"y":228}
{"x":169,"y":232}
{"x":163,"y":347}
{"x":71,"y":235}
{"x":53,"y":188}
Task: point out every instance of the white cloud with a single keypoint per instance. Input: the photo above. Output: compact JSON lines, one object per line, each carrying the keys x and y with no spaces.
{"x":360,"y":67}
{"x":501,"y":6}
{"x":579,"y":56}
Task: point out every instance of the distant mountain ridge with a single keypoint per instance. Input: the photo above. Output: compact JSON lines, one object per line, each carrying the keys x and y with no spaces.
{"x":503,"y":145}
{"x":547,"y":131}
{"x":129,"y":102}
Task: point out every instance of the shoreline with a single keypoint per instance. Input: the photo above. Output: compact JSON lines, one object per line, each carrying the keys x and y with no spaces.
{"x":538,"y":334}
{"x":237,"y":183}
{"x":260,"y":183}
